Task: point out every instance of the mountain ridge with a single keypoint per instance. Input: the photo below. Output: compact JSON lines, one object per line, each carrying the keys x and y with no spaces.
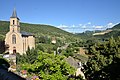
{"x":101,"y":34}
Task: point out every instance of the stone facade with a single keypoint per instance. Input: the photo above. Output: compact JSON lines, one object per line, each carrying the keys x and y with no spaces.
{"x":17,"y":41}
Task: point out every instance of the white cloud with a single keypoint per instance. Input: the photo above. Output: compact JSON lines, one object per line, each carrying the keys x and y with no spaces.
{"x":62,"y":26}
{"x":80,"y":24}
{"x":73,"y":25}
{"x":83,"y":27}
{"x":110,"y":25}
{"x":89,"y":23}
{"x":98,"y":27}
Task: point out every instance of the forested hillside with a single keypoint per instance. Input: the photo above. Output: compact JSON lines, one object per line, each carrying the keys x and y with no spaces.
{"x":114,"y":31}
{"x":116,"y":26}
{"x":39,"y":30}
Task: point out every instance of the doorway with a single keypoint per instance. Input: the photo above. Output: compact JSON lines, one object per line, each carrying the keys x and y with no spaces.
{"x":14,"y":50}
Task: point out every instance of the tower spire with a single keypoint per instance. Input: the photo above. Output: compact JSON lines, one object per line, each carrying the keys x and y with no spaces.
{"x":14,"y":14}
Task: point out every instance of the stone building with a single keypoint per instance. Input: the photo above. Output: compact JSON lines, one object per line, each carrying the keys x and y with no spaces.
{"x":53,"y":40}
{"x":17,"y":41}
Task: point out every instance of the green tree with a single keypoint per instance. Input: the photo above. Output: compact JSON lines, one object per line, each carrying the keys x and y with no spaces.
{"x":20,"y":59}
{"x":104,"y":62}
{"x":50,"y":67}
{"x":30,"y":56}
{"x":39,"y":47}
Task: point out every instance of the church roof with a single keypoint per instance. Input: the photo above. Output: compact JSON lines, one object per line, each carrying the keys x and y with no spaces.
{"x":14,"y":14}
{"x":26,"y":33}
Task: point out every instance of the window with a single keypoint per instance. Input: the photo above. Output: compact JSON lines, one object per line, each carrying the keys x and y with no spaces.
{"x":13,"y":22}
{"x":13,"y":39}
{"x":13,"y":29}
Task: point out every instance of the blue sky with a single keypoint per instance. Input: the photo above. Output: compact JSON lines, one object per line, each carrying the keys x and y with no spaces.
{"x":70,"y":15}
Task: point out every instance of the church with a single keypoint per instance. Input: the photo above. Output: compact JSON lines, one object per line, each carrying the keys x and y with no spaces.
{"x":17,"y":41}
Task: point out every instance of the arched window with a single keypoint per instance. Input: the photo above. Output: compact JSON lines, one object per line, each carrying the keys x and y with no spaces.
{"x":13,"y":22}
{"x":13,"y":39}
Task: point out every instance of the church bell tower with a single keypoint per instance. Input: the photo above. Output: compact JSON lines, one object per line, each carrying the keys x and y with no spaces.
{"x":14,"y":22}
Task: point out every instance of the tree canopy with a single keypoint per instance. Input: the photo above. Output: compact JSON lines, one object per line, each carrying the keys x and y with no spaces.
{"x":49,"y":67}
{"x":105,"y":61}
